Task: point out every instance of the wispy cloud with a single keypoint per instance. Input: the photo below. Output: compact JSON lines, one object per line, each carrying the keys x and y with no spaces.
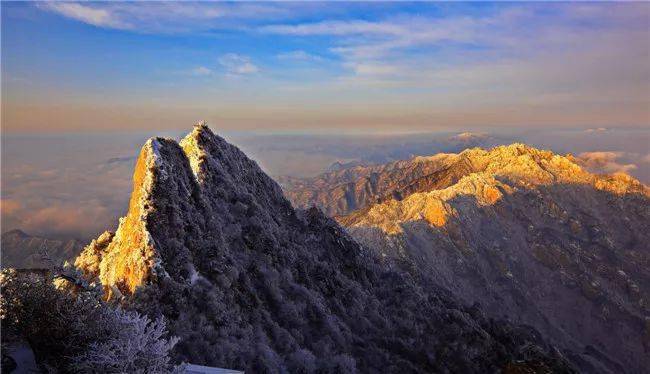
{"x":87,"y":14}
{"x":510,"y":56}
{"x":364,"y":39}
{"x":201,"y":71}
{"x":336,"y":28}
{"x":236,"y":64}
{"x":299,"y":55}
{"x":164,"y":17}
{"x":374,"y":69}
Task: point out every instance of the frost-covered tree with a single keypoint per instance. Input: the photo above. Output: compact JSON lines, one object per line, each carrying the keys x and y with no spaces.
{"x":77,"y":332}
{"x":136,"y":345}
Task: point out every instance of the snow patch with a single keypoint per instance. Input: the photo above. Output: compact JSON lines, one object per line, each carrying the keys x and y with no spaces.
{"x":194,"y":275}
{"x":154,"y":144}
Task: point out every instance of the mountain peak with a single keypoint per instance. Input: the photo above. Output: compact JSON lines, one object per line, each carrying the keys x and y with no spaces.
{"x":132,"y":256}
{"x":184,"y":186}
{"x":210,"y":238}
{"x":128,"y":259}
{"x":343,"y":191}
{"x":192,"y":145}
{"x":522,"y":231}
{"x":199,"y":130}
{"x":202,"y":124}
{"x":211,"y":243}
{"x":16,"y":232}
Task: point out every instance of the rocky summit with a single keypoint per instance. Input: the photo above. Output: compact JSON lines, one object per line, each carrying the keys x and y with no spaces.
{"x":528,"y":234}
{"x":247,"y":282}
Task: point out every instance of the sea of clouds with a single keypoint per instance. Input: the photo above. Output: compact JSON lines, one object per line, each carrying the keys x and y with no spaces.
{"x":78,"y":185}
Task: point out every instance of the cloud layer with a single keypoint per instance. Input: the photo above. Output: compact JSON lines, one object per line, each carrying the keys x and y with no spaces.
{"x":608,"y":162}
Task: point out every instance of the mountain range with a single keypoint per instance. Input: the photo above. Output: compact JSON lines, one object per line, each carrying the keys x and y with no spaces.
{"x":248,"y":282}
{"x":24,"y":251}
{"x":529,"y":235}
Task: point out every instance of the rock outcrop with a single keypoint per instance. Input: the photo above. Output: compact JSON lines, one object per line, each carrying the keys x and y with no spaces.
{"x":530,"y":235}
{"x":247,"y":282}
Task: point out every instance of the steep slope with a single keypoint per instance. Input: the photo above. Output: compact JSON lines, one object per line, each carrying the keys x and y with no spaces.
{"x":533,"y":236}
{"x":247,"y":282}
{"x":20,"y":250}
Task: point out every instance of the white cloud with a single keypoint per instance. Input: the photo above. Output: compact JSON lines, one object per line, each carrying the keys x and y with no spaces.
{"x":379,"y":37}
{"x":571,"y":60}
{"x":87,"y":14}
{"x":373,"y":69}
{"x":299,"y":56}
{"x":606,"y":162}
{"x":201,"y":71}
{"x":236,"y":64}
{"x":336,"y":28}
{"x":165,"y":17}
{"x":507,"y":32}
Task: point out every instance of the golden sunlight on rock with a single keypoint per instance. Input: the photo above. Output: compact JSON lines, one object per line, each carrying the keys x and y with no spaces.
{"x":126,"y":259}
{"x":435,"y":213}
{"x":511,"y":169}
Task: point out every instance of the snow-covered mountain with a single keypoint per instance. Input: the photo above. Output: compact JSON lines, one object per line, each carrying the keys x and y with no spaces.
{"x":247,"y":282}
{"x":526,"y":233}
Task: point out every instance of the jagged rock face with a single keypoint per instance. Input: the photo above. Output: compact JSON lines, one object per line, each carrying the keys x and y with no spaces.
{"x":23,"y":251}
{"x":342,"y":191}
{"x":249,"y":283}
{"x":533,"y":236}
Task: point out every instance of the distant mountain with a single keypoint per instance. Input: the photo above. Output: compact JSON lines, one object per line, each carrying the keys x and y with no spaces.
{"x":471,"y":139}
{"x":526,"y":233}
{"x":20,"y":250}
{"x":340,"y":165}
{"x":343,"y":191}
{"x":247,"y":282}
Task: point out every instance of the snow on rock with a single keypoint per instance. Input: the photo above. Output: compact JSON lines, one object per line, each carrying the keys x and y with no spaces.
{"x":281,"y":290}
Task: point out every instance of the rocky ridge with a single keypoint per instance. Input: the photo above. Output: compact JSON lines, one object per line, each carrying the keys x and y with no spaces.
{"x":528,"y":234}
{"x":247,"y":282}
{"x":344,"y":190}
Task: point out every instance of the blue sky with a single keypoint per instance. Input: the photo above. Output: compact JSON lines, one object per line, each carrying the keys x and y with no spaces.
{"x":386,"y":67}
